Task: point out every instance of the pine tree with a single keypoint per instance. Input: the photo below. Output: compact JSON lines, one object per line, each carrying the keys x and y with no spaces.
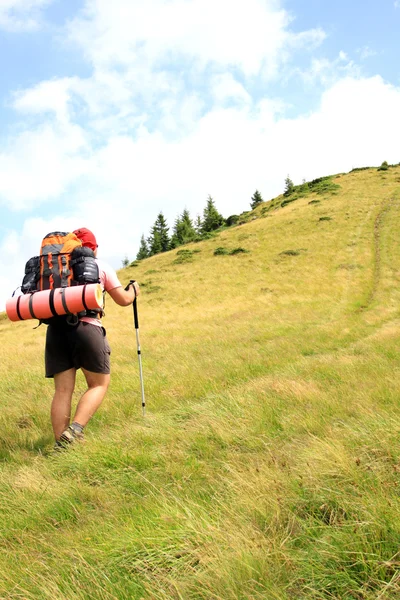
{"x":198,"y":225}
{"x":174,"y":243}
{"x":212,"y":219}
{"x":143,"y":249}
{"x":256,"y":199}
{"x":163,"y":230}
{"x":158,"y":240}
{"x":384,"y":166}
{"x":184,"y":231}
{"x":289,"y":186}
{"x":154,"y":242}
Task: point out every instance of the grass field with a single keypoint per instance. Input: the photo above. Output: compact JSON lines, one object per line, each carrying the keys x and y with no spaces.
{"x":268,"y":463}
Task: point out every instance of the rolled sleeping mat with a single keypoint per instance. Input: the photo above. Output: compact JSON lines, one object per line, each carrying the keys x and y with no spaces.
{"x":60,"y":301}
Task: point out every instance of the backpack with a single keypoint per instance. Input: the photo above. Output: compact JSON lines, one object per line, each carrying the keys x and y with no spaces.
{"x":62,"y":262}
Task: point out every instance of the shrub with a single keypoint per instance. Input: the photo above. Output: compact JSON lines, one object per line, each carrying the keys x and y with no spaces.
{"x":207,"y":236}
{"x":303,"y":189}
{"x":384,"y":166}
{"x":325,"y":218}
{"x":232,"y":220}
{"x":323,"y":185}
{"x":289,"y":200}
{"x":219,"y":251}
{"x":290,"y":253}
{"x":183,"y":256}
{"x":135,"y":263}
{"x":238,"y":251}
{"x":356,"y":169}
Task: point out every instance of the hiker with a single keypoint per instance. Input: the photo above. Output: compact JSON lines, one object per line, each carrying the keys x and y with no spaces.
{"x":82,"y":345}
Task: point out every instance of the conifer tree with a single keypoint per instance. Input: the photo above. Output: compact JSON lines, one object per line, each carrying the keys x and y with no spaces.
{"x":159,"y":238}
{"x":143,"y":249}
{"x":154,"y":242}
{"x":289,"y":186}
{"x":183,"y":231}
{"x":256,"y":199}
{"x":198,"y":225}
{"x":212,"y":219}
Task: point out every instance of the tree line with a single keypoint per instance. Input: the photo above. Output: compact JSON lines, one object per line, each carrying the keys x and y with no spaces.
{"x":185,"y":230}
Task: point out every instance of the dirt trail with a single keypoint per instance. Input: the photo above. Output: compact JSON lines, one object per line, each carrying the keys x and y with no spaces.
{"x":376,"y":276}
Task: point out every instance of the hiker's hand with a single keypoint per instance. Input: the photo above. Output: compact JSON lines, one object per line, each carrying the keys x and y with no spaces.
{"x":125,"y":297}
{"x":135,"y":286}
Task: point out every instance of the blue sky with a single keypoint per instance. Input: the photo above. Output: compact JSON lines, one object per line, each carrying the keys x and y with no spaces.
{"x":111,"y":112}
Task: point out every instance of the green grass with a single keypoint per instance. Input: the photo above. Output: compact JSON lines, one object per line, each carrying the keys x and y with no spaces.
{"x":268,"y":464}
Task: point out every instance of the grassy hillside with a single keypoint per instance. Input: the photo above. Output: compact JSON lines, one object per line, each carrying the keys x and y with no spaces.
{"x":268,"y":463}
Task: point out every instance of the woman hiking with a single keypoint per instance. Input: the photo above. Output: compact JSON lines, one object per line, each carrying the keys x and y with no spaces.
{"x":82,"y":346}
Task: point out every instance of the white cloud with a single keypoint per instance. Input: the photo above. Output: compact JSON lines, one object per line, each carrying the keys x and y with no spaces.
{"x":38,"y":165}
{"x":21,"y":15}
{"x":250,"y":36}
{"x":366,"y":52}
{"x":327,"y":72}
{"x":225,"y":88}
{"x":51,"y":96}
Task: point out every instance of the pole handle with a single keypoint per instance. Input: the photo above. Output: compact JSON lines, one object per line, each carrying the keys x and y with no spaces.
{"x":134,"y":304}
{"x":135,"y":314}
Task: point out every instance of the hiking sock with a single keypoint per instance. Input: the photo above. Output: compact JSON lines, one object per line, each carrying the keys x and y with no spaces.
{"x":77,"y":427}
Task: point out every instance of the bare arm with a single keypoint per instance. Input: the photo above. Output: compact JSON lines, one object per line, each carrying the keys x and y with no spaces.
{"x":125,"y":297}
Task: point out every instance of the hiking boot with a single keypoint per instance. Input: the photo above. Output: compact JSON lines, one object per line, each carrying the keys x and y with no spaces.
{"x":69,"y":436}
{"x":59,"y":446}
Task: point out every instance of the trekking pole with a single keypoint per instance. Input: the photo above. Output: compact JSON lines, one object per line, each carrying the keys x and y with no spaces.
{"x":139,"y":353}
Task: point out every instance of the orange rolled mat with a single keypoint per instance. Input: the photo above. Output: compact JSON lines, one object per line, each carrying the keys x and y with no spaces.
{"x":63,"y":301}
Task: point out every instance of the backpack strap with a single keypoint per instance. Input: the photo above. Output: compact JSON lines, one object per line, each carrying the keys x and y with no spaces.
{"x":17,"y":308}
{"x":31,"y":307}
{"x":64,"y":270}
{"x":51,"y":302}
{"x":64,"y":303}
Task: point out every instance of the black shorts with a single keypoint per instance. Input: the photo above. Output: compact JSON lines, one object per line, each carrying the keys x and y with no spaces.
{"x":84,"y":345}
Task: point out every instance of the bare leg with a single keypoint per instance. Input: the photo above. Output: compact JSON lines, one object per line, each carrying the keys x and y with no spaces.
{"x":61,"y":406}
{"x":92,"y":398}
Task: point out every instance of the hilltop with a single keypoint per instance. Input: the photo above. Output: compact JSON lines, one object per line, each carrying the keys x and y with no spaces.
{"x":267,"y":465}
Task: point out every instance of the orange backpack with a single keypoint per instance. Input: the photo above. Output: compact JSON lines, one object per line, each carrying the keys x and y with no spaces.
{"x":55,"y":260}
{"x":63,"y":262}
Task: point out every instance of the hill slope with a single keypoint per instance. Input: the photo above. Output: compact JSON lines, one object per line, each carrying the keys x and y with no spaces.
{"x":267,"y":465}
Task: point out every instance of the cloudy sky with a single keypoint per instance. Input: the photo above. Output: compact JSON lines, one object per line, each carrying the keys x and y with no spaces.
{"x":113,"y":111}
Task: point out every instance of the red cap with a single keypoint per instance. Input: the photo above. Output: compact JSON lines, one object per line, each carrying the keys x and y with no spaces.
{"x":87,"y":238}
